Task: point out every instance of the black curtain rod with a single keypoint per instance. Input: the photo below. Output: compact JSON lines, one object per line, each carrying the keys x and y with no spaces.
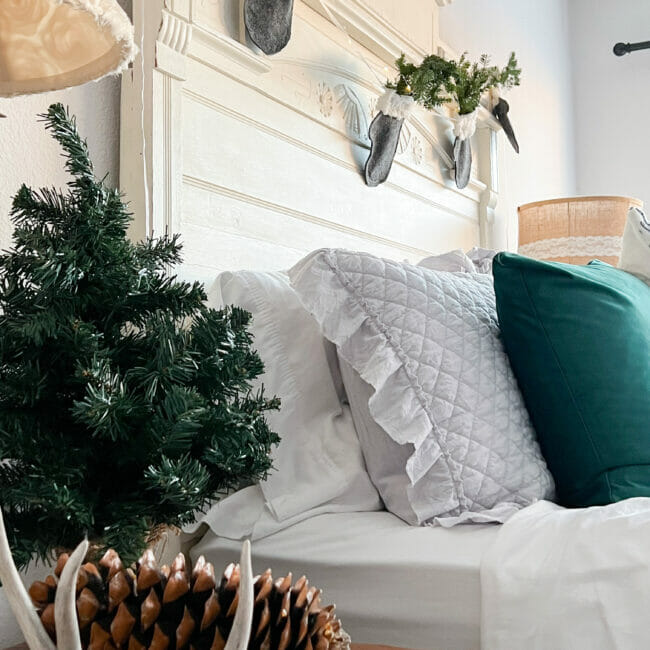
{"x":621,"y":49}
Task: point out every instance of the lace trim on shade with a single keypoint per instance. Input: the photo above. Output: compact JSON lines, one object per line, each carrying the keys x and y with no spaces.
{"x":591,"y":246}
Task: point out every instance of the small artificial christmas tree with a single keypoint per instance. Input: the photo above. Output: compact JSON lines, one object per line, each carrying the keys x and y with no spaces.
{"x":125,"y":403}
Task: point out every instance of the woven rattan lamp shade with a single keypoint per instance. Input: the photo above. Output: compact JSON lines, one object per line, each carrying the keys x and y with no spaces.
{"x":53,"y":44}
{"x":574,"y":230}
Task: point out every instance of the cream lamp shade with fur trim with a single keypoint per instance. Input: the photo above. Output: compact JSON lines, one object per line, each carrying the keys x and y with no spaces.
{"x":54,"y":44}
{"x":575,"y":230}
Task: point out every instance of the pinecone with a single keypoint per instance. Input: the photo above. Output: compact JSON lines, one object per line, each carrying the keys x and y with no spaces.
{"x":167,"y":609}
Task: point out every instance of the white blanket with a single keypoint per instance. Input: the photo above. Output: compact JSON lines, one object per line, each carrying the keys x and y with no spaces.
{"x":558,"y":579}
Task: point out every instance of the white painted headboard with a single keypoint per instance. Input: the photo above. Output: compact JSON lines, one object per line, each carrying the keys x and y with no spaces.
{"x":257,"y":160}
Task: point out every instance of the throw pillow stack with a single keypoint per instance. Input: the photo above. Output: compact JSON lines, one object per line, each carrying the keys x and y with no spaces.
{"x":459,"y":391}
{"x":441,"y":421}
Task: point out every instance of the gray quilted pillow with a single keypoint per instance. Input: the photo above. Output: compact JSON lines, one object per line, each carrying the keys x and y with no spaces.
{"x":428,"y":343}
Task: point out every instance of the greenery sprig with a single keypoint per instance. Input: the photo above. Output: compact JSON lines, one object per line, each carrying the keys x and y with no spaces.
{"x":510,"y":76}
{"x":437,"y":81}
{"x":404,"y":83}
{"x":426,"y":82}
{"x":470,"y":80}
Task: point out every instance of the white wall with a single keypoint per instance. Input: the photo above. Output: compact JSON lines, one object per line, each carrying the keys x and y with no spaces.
{"x":541,"y":109}
{"x":612,"y":97}
{"x":31,"y":156}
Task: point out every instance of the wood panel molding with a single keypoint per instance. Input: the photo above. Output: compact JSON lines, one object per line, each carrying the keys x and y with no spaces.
{"x":369,"y":29}
{"x":203,"y":113}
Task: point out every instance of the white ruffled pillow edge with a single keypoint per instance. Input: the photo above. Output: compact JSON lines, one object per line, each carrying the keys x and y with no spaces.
{"x":322,"y":289}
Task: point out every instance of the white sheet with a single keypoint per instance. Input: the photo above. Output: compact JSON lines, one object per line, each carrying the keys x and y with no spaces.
{"x":559,"y":579}
{"x":392,"y":583}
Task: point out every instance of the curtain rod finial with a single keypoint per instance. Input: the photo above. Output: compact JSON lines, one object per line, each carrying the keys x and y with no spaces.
{"x":621,"y":49}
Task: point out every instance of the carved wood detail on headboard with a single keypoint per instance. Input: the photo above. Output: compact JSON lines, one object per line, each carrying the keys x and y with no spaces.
{"x":254,"y":160}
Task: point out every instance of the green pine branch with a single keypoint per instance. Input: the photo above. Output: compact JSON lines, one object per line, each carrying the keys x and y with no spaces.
{"x":437,"y":81}
{"x":470,"y":80}
{"x":403,"y":84}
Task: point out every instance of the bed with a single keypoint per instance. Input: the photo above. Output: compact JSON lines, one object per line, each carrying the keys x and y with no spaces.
{"x":392,"y":583}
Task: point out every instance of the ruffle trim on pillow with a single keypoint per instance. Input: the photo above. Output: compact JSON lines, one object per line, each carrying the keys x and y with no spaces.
{"x":397,"y":405}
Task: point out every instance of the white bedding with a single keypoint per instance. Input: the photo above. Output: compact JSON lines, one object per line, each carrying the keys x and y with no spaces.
{"x":392,"y":583}
{"x":569,"y":579}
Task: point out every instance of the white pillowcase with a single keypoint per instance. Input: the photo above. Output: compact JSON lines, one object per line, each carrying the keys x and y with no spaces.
{"x":386,"y":459}
{"x":319,"y":459}
{"x":635,"y":256}
{"x":428,"y":344}
{"x":477,"y":260}
{"x":454,"y":261}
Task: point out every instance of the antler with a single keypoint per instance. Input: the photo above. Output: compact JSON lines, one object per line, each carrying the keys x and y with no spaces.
{"x":241,"y":627}
{"x":65,"y":606}
{"x":65,"y":610}
{"x":19,"y":600}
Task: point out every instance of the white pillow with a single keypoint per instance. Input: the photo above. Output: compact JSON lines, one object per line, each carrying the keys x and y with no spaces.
{"x":477,"y":260}
{"x":454,"y":261}
{"x":428,"y":343}
{"x":385,"y":459}
{"x":319,"y":458}
{"x":635,"y":256}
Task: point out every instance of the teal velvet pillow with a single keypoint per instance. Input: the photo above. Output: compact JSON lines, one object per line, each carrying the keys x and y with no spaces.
{"x":578,"y":338}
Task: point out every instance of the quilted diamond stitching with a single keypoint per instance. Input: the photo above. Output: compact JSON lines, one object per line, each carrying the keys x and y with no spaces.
{"x":444,"y":327}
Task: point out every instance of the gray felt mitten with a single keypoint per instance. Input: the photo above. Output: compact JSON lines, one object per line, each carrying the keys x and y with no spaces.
{"x":269,"y":23}
{"x":384,"y":134}
{"x":464,"y":129}
{"x":500,"y":111}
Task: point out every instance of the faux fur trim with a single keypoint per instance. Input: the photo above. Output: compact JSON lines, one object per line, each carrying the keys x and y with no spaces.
{"x":493,"y":97}
{"x":465,"y":125}
{"x":394,"y":105}
{"x":109,"y":14}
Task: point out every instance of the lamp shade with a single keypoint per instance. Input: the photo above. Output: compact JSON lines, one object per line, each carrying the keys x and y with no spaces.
{"x":53,"y":44}
{"x":574,"y":230}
